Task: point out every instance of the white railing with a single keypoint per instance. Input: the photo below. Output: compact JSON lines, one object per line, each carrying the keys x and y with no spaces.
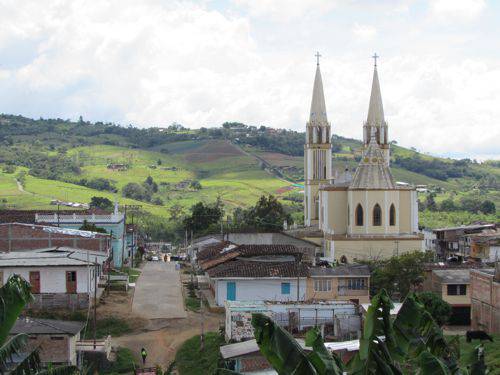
{"x":65,"y":218}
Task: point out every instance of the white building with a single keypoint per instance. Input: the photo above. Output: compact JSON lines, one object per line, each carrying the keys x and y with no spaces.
{"x":59,"y":278}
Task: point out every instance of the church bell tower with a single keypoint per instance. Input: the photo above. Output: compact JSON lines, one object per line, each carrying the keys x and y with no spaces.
{"x":317,"y":151}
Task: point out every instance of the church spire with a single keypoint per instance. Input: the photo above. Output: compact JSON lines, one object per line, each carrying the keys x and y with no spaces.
{"x":318,"y":107}
{"x":376,"y":109}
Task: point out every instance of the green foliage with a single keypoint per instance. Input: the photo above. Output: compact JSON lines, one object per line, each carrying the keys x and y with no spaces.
{"x":204,"y":216}
{"x":99,"y":183}
{"x":102,"y":203}
{"x":439,"y":309}
{"x":91,"y":227}
{"x":398,"y":274}
{"x":125,"y":362}
{"x":192,"y":360}
{"x":108,"y":326}
{"x":267,"y":214}
{"x":195,"y":185}
{"x":280,"y":348}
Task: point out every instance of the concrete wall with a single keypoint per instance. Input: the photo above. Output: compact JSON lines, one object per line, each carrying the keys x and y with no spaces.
{"x":371,"y":248}
{"x":464,"y":300}
{"x":260,"y":289}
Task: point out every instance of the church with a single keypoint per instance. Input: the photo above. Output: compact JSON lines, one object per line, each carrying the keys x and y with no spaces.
{"x":366,"y":215}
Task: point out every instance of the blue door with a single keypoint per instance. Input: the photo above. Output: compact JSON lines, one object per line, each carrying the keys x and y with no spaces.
{"x":231,"y":291}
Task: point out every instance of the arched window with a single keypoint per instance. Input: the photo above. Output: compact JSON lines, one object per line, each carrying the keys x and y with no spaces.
{"x":377,"y":216}
{"x":359,"y":216}
{"x":392,"y":215}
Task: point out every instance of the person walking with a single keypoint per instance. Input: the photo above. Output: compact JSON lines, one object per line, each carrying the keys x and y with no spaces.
{"x":144,"y":354}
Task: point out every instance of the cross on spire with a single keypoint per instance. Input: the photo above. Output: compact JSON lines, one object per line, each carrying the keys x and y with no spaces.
{"x":317,"y":57}
{"x":375,"y":57}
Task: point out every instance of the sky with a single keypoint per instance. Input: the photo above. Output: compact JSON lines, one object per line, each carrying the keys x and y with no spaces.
{"x":201,"y":63}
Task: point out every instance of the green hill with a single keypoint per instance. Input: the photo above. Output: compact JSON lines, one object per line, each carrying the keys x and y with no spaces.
{"x":73,"y":161}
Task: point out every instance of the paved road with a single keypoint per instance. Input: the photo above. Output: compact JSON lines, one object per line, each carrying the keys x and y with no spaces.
{"x":158,"y":293}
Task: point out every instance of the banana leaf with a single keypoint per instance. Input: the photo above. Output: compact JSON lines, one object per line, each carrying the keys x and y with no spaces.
{"x":431,"y":365}
{"x":14,"y":296}
{"x":324,"y":362}
{"x":280,"y":348}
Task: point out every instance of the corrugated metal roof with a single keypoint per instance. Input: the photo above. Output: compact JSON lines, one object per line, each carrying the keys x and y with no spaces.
{"x":32,"y":258}
{"x":32,"y":326}
{"x":348,"y":270}
{"x":453,"y":276}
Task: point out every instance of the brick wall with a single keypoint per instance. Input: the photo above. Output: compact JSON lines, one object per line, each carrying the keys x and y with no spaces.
{"x":16,"y":237}
{"x":485,"y":293}
{"x":49,"y":301}
{"x":53,"y":348}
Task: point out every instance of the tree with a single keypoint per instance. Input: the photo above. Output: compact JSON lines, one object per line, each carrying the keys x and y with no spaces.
{"x":398,"y":275}
{"x":430,"y":203}
{"x":195,"y":185}
{"x":487,"y":207}
{"x":267,"y":214}
{"x":91,"y":227}
{"x":436,"y":306}
{"x":203,"y":216}
{"x":470,"y":204}
{"x":448,"y":205}
{"x":175,"y":211}
{"x":158,"y":162}
{"x":102,"y":203}
{"x":135,"y":191}
{"x":14,"y":296}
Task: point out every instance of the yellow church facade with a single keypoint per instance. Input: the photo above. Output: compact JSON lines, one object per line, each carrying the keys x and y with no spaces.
{"x":368,"y":215}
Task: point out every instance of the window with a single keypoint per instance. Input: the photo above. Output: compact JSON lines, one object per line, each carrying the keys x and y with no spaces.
{"x":377,"y":215}
{"x":322,"y":285}
{"x":356,"y":284}
{"x":71,"y":282}
{"x":457,"y":289}
{"x":359,"y":216}
{"x":285,"y":288}
{"x":392,"y":215}
{"x":35,"y":281}
{"x":57,"y":338}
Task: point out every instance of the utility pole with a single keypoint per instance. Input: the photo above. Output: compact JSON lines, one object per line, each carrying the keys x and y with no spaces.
{"x":202,"y":336}
{"x":58,"y":213}
{"x":95,"y":300}
{"x":124,"y":235}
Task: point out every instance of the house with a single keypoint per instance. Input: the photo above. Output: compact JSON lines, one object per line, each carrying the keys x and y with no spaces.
{"x":337,"y":319}
{"x":255,"y":272}
{"x":23,"y":237}
{"x":453,"y":286}
{"x":485,"y":299}
{"x":59,"y":277}
{"x":345,"y":282}
{"x":429,"y":240}
{"x":452,"y":240}
{"x":113,"y":223}
{"x":55,"y":339}
{"x":485,"y":245}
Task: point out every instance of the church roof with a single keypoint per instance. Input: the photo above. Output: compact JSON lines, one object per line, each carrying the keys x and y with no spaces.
{"x":318,"y":107}
{"x":372,"y":171}
{"x":376,"y":109}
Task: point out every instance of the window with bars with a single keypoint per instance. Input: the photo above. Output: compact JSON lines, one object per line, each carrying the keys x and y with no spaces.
{"x":356,"y":284}
{"x":457,"y":289}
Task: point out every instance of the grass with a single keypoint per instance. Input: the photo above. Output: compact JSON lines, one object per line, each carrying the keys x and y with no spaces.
{"x":492,"y":350}
{"x":108,"y":326}
{"x":192,"y":303}
{"x":125,"y":362}
{"x":191,"y":360}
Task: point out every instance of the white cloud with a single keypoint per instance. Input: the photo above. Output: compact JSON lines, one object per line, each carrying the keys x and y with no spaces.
{"x":156,"y":62}
{"x":286,"y":10}
{"x":364,"y":32}
{"x":457,"y":10}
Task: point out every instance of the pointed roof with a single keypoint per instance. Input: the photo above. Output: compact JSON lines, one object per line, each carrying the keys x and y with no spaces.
{"x":372,"y":172}
{"x":376,"y":109}
{"x":318,"y":107}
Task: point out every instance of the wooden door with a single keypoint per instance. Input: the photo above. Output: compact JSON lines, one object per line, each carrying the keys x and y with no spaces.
{"x":71,"y":282}
{"x":35,"y":281}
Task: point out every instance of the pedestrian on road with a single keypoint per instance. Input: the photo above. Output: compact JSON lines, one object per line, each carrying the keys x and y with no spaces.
{"x":144,"y":354}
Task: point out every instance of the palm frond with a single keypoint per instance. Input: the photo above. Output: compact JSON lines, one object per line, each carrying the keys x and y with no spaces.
{"x":29,"y":365}
{"x":60,"y":370}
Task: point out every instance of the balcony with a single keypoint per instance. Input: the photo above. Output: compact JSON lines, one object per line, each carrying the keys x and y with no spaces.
{"x":344,"y":290}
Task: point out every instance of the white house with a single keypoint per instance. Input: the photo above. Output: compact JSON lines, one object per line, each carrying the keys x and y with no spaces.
{"x":58,"y":278}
